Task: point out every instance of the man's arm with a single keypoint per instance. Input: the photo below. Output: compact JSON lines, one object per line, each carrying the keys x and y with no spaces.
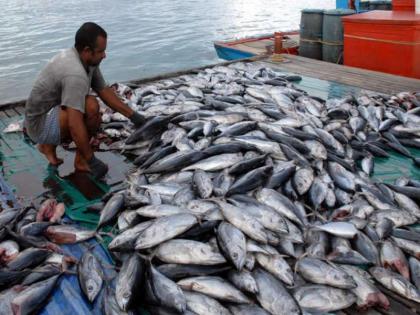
{"x":111,"y":99}
{"x":79,"y":133}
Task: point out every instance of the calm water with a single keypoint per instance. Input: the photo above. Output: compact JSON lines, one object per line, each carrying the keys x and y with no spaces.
{"x":144,"y":37}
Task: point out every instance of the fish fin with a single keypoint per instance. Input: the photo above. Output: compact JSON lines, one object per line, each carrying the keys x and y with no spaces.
{"x":319,"y":216}
{"x":106,"y":234}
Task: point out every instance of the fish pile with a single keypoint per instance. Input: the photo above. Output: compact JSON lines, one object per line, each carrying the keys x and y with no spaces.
{"x":249,"y":196}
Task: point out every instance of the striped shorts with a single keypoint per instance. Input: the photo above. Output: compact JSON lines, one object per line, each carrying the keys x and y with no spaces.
{"x":50,"y":134}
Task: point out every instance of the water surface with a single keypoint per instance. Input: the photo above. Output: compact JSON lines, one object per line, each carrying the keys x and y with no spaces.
{"x":144,"y":37}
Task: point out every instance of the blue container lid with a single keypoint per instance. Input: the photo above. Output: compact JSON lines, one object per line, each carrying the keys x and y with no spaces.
{"x":339,"y":12}
{"x":313,"y":11}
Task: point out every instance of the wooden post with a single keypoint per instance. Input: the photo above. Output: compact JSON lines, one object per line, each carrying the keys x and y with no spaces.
{"x":278,"y":47}
{"x":278,"y":42}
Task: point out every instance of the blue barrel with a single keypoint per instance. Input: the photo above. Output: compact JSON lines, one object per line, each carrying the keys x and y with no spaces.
{"x":364,"y":6}
{"x":341,"y":4}
{"x":380,"y":5}
{"x":311,"y":33}
{"x":332,"y":35}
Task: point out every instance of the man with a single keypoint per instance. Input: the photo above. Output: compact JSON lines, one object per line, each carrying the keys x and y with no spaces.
{"x":60,"y":108}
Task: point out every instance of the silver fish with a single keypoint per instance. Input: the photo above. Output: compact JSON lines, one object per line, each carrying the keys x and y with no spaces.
{"x":243,"y":280}
{"x":166,"y":292}
{"x":215,"y":287}
{"x":165,"y":228}
{"x":128,"y":280}
{"x":272,"y":295}
{"x":319,"y":272}
{"x":343,"y":229}
{"x":396,"y":283}
{"x":232,"y":242}
{"x":202,"y":183}
{"x":33,"y":296}
{"x":323,"y":299}
{"x":367,"y":294}
{"x":243,"y":221}
{"x":90,"y":275}
{"x":202,"y":304}
{"x":277,"y":266}
{"x":181,"y":251}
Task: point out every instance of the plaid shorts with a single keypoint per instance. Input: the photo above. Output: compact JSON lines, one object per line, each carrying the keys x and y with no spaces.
{"x":50,"y":133}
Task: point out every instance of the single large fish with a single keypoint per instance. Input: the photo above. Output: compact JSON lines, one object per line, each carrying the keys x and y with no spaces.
{"x":166,"y":292}
{"x":243,"y":221}
{"x":165,"y":228}
{"x":396,"y":283}
{"x":111,"y":209}
{"x":68,"y":234}
{"x":319,"y":272}
{"x":273,"y":296}
{"x":367,"y":294}
{"x":90,"y":275}
{"x":232,"y":242}
{"x":33,"y":297}
{"x":180,"y":251}
{"x":202,"y":304}
{"x":128,"y":281}
{"x":323,"y":299}
{"x":215,"y":287}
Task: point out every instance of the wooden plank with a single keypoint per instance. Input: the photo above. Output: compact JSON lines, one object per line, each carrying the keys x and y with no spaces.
{"x":349,"y":70}
{"x":365,"y":79}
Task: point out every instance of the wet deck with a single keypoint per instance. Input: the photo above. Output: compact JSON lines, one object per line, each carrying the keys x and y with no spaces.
{"x":28,"y":172}
{"x":356,"y":77}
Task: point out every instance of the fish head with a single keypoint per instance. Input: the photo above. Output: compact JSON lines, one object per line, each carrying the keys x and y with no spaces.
{"x":92,"y":288}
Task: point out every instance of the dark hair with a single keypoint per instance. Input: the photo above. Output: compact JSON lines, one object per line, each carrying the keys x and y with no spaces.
{"x":87,"y":34}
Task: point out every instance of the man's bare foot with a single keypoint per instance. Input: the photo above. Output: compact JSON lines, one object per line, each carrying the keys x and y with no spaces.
{"x":49,"y":151}
{"x":80,"y":164}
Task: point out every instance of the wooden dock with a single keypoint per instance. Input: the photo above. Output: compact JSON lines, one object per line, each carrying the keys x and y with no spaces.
{"x":360,"y":78}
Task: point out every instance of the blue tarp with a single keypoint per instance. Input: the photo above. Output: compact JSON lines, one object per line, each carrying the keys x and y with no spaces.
{"x":68,"y":297}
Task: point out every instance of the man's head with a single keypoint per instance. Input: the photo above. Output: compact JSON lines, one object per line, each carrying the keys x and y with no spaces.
{"x":90,"y":42}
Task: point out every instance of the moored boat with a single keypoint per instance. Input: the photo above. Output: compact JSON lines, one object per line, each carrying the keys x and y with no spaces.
{"x":259,"y":45}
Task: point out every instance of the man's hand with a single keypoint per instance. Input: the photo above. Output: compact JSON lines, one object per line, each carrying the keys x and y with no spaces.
{"x":97,"y":167}
{"x":109,"y":97}
{"x":137,"y":119}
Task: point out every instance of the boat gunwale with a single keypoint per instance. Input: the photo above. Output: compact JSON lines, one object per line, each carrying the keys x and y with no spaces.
{"x":230,"y":43}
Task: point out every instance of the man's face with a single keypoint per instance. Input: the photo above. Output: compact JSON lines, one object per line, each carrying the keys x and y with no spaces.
{"x":97,"y":54}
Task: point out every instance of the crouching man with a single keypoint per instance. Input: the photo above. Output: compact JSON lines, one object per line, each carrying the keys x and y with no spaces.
{"x":60,"y":108}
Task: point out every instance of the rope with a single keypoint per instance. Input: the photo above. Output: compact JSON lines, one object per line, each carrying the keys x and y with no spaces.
{"x":384,"y":40}
{"x":322,"y":42}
